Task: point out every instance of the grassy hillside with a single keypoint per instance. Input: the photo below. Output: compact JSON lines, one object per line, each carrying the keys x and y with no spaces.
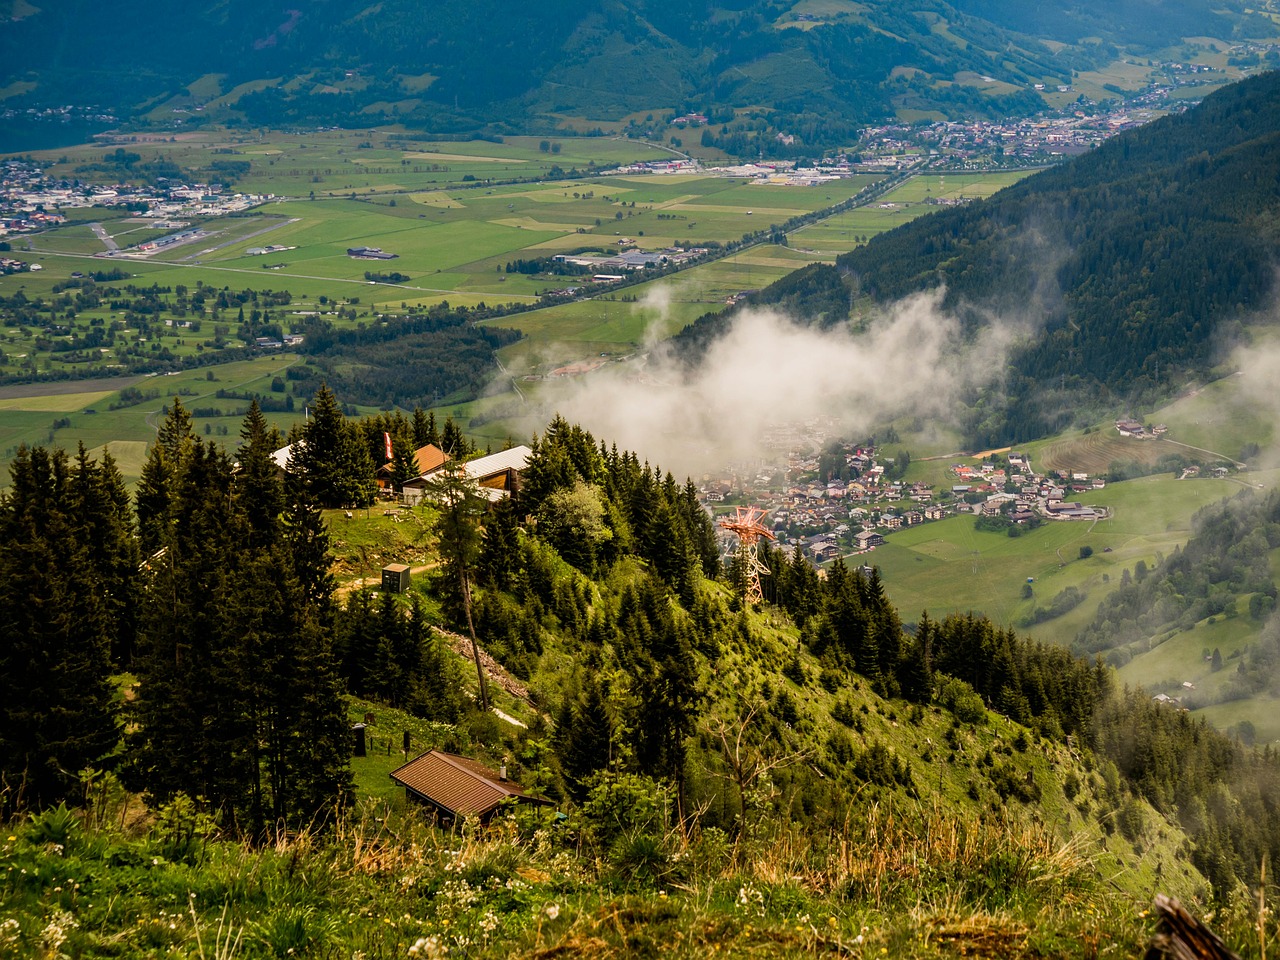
{"x":805,"y":777}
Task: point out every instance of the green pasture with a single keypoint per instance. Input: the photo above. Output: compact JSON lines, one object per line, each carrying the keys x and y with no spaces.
{"x":949,"y":566}
{"x":1219,"y":416}
{"x":126,"y":431}
{"x":841,"y":233}
{"x":1262,"y":711}
{"x":338,"y":162}
{"x":653,"y":310}
{"x":459,"y":241}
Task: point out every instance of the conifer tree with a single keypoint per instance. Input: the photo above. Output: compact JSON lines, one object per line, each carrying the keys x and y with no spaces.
{"x":404,"y":465}
{"x":57,"y":710}
{"x":453,"y":442}
{"x":584,"y":738}
{"x":332,"y":457}
{"x":258,"y":479}
{"x":98,"y":506}
{"x":239,"y":697}
{"x":166,"y":461}
{"x":500,"y":552}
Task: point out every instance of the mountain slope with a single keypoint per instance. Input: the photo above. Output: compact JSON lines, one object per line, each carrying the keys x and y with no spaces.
{"x":1129,"y":259}
{"x":491,"y":65}
{"x":1130,"y":264}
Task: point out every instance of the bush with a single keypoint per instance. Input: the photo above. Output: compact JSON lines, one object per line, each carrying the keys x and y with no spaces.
{"x":962,"y":700}
{"x":623,"y":806}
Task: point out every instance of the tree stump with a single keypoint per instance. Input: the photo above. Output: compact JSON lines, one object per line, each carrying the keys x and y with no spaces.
{"x":1180,"y":936}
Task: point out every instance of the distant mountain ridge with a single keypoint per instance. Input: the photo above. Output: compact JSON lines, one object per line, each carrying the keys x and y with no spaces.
{"x":498,"y":66}
{"x":1134,"y":264}
{"x":1136,"y":258}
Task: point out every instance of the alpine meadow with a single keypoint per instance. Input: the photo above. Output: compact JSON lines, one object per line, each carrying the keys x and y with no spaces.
{"x":746,"y":478}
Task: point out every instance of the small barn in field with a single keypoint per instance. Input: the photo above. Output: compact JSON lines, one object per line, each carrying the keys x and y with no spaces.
{"x":459,"y":788}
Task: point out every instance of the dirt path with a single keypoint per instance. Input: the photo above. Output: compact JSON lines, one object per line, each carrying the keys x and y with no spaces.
{"x":1212,"y":453}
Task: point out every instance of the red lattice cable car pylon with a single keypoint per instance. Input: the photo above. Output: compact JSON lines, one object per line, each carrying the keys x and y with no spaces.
{"x":745,"y":524}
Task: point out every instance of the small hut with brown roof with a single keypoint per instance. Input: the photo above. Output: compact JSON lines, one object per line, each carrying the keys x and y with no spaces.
{"x":457,"y":787}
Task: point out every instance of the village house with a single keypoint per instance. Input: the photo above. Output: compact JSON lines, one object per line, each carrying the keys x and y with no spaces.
{"x":868,"y":539}
{"x":427,"y":458}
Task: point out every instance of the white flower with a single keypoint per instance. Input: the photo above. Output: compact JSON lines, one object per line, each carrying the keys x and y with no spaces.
{"x":552,"y":911}
{"x":429,"y":947}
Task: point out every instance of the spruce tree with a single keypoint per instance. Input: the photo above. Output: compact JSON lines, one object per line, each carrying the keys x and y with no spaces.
{"x":56,"y":697}
{"x":584,"y":738}
{"x":239,"y":698}
{"x":99,"y":511}
{"x":332,"y":457}
{"x":258,"y":479}
{"x":404,"y":463}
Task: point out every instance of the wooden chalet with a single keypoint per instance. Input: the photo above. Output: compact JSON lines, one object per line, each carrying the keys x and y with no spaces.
{"x":428,"y":458}
{"x":459,"y":788}
{"x":497,"y":475}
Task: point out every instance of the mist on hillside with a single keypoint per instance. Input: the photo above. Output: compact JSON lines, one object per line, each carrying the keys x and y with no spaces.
{"x":1258,"y":372}
{"x":767,"y":372}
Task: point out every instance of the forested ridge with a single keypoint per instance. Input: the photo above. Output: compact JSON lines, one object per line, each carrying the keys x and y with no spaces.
{"x":1133,"y":264}
{"x":488,"y":67}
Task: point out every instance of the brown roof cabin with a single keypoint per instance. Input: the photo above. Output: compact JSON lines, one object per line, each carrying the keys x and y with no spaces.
{"x":459,"y":788}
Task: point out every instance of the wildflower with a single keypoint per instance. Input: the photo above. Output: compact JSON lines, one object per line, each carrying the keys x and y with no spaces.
{"x":10,"y":932}
{"x":552,"y":911}
{"x":55,"y":934}
{"x":429,"y":947}
{"x":489,"y":922}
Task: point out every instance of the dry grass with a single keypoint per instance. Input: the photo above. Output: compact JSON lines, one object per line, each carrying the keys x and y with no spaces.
{"x":1095,"y":452}
{"x":893,"y":856}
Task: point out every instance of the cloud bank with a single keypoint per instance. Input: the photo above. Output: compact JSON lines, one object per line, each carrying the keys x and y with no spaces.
{"x":768,"y":371}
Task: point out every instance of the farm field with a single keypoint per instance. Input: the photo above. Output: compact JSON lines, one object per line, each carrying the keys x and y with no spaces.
{"x":86,"y":416}
{"x":452,"y":243}
{"x":337,"y":162}
{"x":949,"y":566}
{"x":1093,"y":453}
{"x":841,"y":233}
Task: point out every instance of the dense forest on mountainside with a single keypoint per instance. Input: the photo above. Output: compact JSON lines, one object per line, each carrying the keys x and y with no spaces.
{"x":1142,"y":256}
{"x":600,"y":586}
{"x":488,"y":65}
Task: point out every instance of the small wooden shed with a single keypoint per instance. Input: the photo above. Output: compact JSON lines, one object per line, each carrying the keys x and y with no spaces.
{"x":458,"y":787}
{"x":395,"y":577}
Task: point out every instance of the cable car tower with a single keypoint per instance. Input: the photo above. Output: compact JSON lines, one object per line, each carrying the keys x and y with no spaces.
{"x":746,"y":525}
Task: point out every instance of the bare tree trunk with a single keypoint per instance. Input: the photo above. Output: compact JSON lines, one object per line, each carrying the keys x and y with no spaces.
{"x":475,"y":646}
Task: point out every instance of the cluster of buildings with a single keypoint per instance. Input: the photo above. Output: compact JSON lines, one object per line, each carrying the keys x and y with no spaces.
{"x":825,"y":516}
{"x":29,"y":198}
{"x":1022,"y":495}
{"x":496,"y":475}
{"x":626,"y":261}
{"x":1128,"y":427}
